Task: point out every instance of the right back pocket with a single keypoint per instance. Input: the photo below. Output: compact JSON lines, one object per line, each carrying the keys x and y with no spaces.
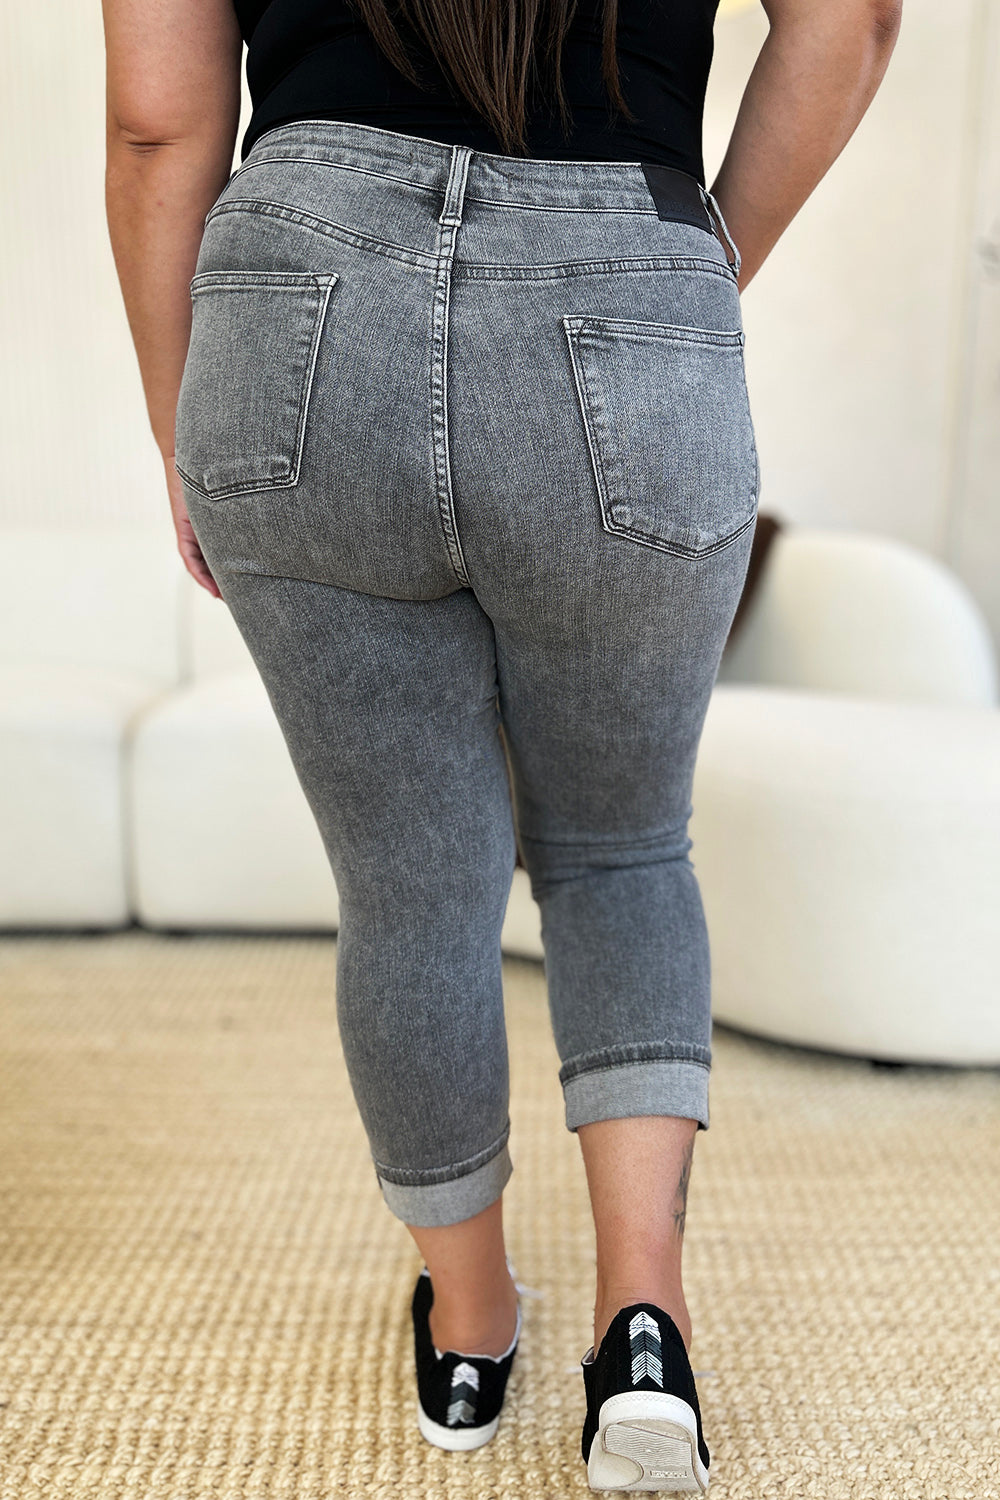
{"x":668,"y":425}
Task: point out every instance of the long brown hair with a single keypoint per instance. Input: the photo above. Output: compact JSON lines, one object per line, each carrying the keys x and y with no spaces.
{"x":490,"y":48}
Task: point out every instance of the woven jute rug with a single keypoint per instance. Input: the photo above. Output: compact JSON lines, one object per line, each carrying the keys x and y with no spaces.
{"x":202,"y":1293}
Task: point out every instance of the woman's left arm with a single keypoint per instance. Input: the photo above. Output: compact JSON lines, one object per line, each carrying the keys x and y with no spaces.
{"x":173,"y":108}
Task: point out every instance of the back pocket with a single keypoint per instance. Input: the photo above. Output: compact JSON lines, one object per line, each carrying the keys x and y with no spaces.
{"x":244,"y":395}
{"x":668,"y":425}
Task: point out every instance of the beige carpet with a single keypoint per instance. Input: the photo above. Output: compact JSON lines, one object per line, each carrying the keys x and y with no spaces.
{"x":203,"y":1295}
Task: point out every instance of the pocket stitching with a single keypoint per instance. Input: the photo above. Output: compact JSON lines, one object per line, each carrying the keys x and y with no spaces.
{"x":670,"y":332}
{"x":325,"y":281}
{"x":573,"y":327}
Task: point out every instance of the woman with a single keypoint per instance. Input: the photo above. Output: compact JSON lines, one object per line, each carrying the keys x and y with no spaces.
{"x":448,"y":382}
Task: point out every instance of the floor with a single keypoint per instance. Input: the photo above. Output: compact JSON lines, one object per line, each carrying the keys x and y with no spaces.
{"x":203,"y":1295}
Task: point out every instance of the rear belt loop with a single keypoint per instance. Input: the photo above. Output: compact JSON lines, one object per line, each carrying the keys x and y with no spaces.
{"x":714,"y":208}
{"x":454,"y":193}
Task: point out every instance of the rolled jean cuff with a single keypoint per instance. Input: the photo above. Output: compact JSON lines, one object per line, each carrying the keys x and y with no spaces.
{"x":427,"y":1202}
{"x":617,"y":1090}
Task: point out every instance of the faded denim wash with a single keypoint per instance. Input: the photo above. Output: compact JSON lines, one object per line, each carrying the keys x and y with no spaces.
{"x":466,"y":442}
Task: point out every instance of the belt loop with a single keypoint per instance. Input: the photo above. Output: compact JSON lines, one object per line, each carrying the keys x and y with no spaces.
{"x":714,"y":208}
{"x":454,"y":192}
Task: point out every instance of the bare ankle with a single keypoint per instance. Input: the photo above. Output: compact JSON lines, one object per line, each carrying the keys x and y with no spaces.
{"x":482,"y":1327}
{"x":475,"y":1301}
{"x":638,"y":1170}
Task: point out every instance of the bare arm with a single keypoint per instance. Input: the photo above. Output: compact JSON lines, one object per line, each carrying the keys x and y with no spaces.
{"x":815,"y":77}
{"x":173,"y":107}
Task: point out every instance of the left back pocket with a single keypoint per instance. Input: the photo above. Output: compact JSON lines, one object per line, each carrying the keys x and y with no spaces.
{"x":244,"y":396}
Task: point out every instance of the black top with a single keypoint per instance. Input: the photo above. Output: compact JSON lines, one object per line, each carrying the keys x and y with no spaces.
{"x":316,"y":59}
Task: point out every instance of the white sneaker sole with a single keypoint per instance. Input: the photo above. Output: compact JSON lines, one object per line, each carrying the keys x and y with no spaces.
{"x":647,"y":1441}
{"x":455,"y":1439}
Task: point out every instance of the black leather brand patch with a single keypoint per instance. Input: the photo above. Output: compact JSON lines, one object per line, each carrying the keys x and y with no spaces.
{"x":676,"y":196}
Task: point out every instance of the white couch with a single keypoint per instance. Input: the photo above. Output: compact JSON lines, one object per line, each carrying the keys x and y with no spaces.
{"x":846,"y":803}
{"x":846,"y":827}
{"x":88,"y":640}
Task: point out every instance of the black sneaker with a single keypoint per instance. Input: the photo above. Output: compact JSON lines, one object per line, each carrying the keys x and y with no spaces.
{"x":643,"y":1426}
{"x":459,"y":1395}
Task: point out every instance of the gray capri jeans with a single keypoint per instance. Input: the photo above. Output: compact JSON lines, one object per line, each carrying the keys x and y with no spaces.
{"x":465,"y":441}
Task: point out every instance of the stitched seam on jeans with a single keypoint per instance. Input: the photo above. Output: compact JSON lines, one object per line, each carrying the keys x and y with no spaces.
{"x":489,"y":272}
{"x":345,"y":166}
{"x":601,"y":1062}
{"x":472,"y":270}
{"x":694,"y":554}
{"x":593,"y":844}
{"x":646,"y":332}
{"x":577,"y":208}
{"x":422,"y":258}
{"x":589,"y":410}
{"x":584,"y":403}
{"x":438,"y":400}
{"x":403,"y":1177}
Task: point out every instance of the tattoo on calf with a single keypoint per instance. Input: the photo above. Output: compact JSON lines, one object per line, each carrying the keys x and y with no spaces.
{"x":680,"y":1198}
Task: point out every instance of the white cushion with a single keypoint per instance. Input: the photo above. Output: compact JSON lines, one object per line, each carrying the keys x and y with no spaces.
{"x":864,"y":615}
{"x":522,"y":927}
{"x":91,"y":597}
{"x":222,"y":833}
{"x":63,"y":855}
{"x":848,"y":853}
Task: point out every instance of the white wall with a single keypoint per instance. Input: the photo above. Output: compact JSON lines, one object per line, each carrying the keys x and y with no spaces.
{"x":873,"y":332}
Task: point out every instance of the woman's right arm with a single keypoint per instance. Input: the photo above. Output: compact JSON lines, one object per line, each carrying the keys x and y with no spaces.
{"x":816,"y":75}
{"x":173,"y":109}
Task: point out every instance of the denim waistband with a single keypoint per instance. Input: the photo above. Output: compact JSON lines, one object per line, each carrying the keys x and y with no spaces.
{"x":527,"y":181}
{"x":462,"y":174}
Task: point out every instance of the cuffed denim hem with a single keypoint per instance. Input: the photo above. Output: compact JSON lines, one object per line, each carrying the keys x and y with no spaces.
{"x":669,"y":1086}
{"x":432,"y":1203}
